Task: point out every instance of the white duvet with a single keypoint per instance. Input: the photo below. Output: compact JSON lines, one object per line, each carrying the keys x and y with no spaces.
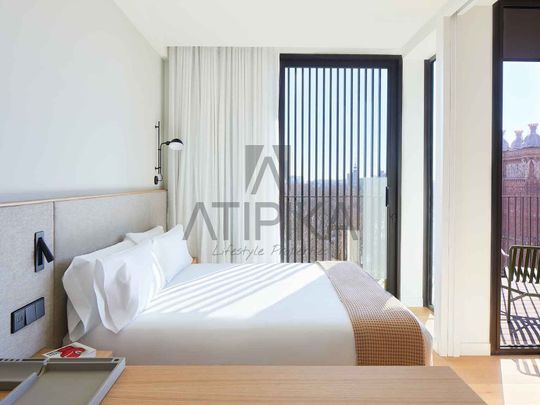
{"x":281,"y":314}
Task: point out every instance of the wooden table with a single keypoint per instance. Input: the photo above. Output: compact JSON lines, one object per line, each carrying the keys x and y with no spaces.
{"x":289,"y":385}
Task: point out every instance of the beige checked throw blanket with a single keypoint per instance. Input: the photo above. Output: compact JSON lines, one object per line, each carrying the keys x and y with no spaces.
{"x":385,"y":331}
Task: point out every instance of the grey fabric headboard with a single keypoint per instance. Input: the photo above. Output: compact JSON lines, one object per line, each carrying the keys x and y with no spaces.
{"x":72,"y":227}
{"x":19,"y":284}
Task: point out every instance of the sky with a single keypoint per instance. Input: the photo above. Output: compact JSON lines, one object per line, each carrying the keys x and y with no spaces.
{"x":346,"y":79}
{"x":521,"y":106}
{"x":521,"y":96}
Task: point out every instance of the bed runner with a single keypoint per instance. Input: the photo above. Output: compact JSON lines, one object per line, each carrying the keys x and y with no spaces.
{"x":385,"y":331}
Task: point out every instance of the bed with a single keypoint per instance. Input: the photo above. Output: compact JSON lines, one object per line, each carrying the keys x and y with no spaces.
{"x":266,"y":314}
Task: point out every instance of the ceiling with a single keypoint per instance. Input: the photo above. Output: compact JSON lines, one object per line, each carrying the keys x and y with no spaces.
{"x":363,"y":25}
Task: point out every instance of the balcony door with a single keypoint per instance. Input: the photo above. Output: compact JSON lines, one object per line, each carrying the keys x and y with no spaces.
{"x":516,"y":180}
{"x":339,"y":132}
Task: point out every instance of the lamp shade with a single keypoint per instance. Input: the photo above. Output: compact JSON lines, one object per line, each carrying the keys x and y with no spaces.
{"x":175,"y":144}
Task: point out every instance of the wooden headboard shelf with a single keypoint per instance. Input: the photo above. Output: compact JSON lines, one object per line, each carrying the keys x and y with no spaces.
{"x":75,"y":198}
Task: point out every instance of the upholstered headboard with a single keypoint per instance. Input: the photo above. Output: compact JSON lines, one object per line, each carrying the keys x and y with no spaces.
{"x":72,"y":227}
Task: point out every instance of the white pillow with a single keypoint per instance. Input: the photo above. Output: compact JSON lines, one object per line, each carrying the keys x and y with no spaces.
{"x":138,"y":237}
{"x":78,"y":280}
{"x":171,"y":252}
{"x":125,"y":283}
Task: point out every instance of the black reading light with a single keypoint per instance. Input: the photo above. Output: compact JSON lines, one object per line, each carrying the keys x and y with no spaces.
{"x":41,"y":249}
{"x":174,"y":144}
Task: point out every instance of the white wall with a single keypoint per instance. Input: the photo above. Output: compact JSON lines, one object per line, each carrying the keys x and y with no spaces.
{"x":412,"y":172}
{"x":472,"y":194}
{"x":462,"y":194}
{"x":80,"y":90}
{"x":463,"y":198}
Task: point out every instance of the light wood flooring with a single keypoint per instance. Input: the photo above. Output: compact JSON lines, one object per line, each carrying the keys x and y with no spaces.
{"x":496,"y":379}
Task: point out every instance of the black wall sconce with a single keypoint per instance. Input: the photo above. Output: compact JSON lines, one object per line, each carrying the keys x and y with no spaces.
{"x":40,"y":250}
{"x":174,"y":144}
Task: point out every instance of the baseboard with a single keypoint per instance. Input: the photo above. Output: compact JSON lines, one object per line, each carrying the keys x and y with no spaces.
{"x":475,"y":349}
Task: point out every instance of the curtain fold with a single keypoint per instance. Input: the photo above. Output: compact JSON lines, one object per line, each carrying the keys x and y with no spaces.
{"x":223,"y":103}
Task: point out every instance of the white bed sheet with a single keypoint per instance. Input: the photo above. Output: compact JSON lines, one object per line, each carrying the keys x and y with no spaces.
{"x":267,"y":314}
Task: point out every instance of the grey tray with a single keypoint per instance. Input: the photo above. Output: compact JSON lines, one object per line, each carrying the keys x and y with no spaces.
{"x":58,"y":381}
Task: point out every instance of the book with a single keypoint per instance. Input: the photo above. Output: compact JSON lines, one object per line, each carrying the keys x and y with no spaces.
{"x":74,"y":350}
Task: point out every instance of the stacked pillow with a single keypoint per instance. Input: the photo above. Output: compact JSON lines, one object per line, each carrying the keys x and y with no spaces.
{"x":125,"y":282}
{"x":171,"y":252}
{"x":138,"y":237}
{"x":83,"y":313}
{"x":116,"y":284}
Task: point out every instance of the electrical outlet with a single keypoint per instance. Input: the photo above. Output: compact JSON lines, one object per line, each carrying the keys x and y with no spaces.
{"x":18,"y":320}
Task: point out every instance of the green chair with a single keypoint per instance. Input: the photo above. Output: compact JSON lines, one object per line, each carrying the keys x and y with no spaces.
{"x":523,"y":266}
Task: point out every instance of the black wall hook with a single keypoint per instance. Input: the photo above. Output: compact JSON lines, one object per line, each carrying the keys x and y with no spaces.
{"x":41,"y":249}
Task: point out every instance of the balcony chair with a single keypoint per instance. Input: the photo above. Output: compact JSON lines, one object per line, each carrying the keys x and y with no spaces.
{"x":524,"y":266}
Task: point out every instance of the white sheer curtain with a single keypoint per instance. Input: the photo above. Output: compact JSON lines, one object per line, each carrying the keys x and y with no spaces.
{"x":223,"y":103}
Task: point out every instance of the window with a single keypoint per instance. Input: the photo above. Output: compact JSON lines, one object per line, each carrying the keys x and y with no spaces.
{"x":429,"y":170}
{"x":339,"y":123}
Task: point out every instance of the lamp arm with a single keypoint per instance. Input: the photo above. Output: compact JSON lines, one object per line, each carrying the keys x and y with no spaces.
{"x":158,"y":167}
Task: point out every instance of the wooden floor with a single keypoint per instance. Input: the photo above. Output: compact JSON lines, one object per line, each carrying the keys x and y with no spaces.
{"x":154,"y":385}
{"x":524,"y":325}
{"x":497,"y":379}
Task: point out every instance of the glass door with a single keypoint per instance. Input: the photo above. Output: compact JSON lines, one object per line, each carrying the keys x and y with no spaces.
{"x":338,"y":121}
{"x":520,"y":204}
{"x":516,"y":272}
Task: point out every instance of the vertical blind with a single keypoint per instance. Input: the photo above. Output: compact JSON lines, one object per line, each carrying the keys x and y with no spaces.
{"x":333,"y":179}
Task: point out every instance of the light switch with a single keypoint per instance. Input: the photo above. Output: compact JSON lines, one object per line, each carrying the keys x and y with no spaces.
{"x":30,"y":312}
{"x":26,"y":315}
{"x":40,"y":308}
{"x":17,"y":320}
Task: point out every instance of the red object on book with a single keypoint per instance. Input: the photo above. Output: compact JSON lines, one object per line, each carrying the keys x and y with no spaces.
{"x":71,"y":351}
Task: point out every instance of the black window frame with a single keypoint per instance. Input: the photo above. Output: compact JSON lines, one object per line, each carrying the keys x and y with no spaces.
{"x":429,"y":102}
{"x":496,"y":184}
{"x":394,"y":65}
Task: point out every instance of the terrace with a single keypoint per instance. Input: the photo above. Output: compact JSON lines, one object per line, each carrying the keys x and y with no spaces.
{"x":523,"y":329}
